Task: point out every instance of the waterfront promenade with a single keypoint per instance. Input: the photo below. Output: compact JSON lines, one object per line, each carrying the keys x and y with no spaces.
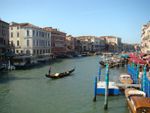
{"x":29,"y":91}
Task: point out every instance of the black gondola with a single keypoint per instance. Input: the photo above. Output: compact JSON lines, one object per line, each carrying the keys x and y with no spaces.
{"x":102,"y":63}
{"x":60,"y":75}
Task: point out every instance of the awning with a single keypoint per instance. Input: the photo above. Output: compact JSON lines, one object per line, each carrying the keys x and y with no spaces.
{"x":132,"y":55}
{"x":137,"y":60}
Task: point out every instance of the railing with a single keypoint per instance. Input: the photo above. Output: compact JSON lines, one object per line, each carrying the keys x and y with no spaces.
{"x":145,"y":81}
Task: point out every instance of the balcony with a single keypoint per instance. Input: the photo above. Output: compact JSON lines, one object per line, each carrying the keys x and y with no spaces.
{"x":18,"y":47}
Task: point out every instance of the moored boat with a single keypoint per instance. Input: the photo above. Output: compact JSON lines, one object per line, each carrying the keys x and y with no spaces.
{"x":112,"y":88}
{"x":60,"y":75}
{"x":126,"y":79}
{"x":137,"y":101}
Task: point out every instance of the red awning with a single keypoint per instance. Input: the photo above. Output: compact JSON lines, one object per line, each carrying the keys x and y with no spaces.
{"x":132,"y":55}
{"x":137,"y":60}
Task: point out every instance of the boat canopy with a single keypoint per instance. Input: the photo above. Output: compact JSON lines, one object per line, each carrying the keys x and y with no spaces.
{"x":137,"y":60}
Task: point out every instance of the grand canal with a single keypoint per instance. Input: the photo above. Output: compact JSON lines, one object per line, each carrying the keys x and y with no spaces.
{"x":29,"y":91}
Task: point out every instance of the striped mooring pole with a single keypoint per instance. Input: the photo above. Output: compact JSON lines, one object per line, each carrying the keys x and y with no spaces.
{"x":99,"y":73}
{"x":106,"y":87}
{"x":144,"y":79}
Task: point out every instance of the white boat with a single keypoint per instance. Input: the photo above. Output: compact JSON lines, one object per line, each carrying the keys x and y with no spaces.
{"x":113,"y":89}
{"x":126,"y":79}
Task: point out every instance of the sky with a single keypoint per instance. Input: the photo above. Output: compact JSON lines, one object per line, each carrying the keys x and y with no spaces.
{"x":121,"y":18}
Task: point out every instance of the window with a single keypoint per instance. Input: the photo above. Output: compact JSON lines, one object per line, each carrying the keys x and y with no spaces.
{"x":33,"y":42}
{"x":17,"y":42}
{"x":37,"y":43}
{"x":11,"y":28}
{"x":28,"y":52}
{"x":18,"y":27}
{"x":27,"y":42}
{"x":37,"y":51}
{"x":11,"y":34}
{"x":18,"y":34}
{"x":33,"y":32}
{"x":34,"y":52}
{"x":17,"y":51}
{"x":37,"y":33}
{"x":28,"y":33}
{"x":21,"y":51}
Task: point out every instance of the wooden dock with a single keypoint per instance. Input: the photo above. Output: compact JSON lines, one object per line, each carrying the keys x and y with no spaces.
{"x":124,"y":86}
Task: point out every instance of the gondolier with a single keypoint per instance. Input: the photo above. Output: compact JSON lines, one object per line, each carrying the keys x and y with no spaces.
{"x":50,"y":70}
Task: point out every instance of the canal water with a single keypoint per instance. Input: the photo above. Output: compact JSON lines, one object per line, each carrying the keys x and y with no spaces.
{"x":29,"y":91}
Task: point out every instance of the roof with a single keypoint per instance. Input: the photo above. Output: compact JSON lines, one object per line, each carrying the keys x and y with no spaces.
{"x":4,"y":22}
{"x":13,"y":24}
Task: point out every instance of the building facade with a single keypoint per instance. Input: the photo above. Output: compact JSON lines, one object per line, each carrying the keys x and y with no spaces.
{"x":29,"y":39}
{"x":58,"y":41}
{"x":128,"y":47}
{"x":92,"y":43}
{"x":4,"y":37}
{"x":70,"y":44}
{"x":114,"y":43}
{"x":145,"y":38}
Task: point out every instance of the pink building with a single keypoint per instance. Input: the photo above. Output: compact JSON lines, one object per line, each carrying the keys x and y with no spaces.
{"x":58,"y":41}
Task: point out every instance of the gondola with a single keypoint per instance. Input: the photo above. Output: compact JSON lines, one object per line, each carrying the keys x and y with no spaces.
{"x":136,"y":100}
{"x":60,"y":75}
{"x":102,"y":63}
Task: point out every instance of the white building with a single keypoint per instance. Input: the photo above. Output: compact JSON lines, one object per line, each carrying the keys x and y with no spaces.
{"x":145,"y":42}
{"x":29,"y":39}
{"x":114,"y":43}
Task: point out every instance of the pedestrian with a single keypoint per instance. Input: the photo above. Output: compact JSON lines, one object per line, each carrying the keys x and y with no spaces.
{"x":49,"y":70}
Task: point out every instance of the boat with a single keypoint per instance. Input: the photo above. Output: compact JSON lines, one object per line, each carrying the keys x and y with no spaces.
{"x":102,"y":63}
{"x":60,"y":75}
{"x":137,"y":101}
{"x":113,"y":89}
{"x":126,"y":79}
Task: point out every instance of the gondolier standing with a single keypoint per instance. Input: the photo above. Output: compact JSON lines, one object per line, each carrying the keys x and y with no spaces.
{"x":49,"y":70}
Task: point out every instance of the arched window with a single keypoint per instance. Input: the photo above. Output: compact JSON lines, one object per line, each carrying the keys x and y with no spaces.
{"x":28,"y":52}
{"x":17,"y":42}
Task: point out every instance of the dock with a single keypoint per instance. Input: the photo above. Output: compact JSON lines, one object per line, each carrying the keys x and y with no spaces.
{"x":124,"y":86}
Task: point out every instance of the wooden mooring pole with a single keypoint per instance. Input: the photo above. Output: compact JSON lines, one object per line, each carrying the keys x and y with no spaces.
{"x":106,"y":87}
